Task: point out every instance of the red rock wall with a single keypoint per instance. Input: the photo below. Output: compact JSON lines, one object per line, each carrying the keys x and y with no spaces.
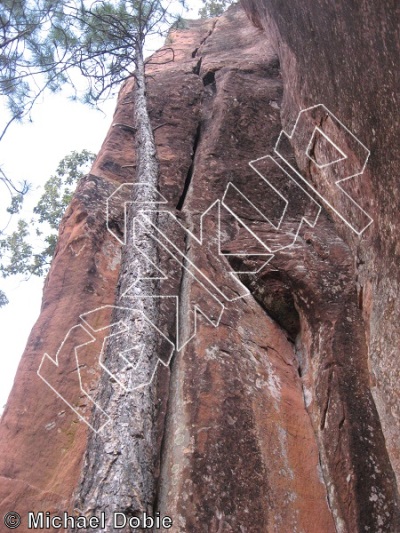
{"x":343,"y":55}
{"x":271,"y":423}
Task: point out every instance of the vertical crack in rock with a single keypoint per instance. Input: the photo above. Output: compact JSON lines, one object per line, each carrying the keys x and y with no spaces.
{"x":197,"y":67}
{"x":207,"y":79}
{"x":204,"y":40}
{"x":189,"y":174}
{"x":213,"y":421}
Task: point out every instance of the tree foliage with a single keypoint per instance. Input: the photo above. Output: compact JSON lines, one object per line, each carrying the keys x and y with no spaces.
{"x":101,"y":41}
{"x":42,"y":43}
{"x":28,"y":250}
{"x":23,"y":25}
{"x":58,"y":190}
{"x":214,"y":8}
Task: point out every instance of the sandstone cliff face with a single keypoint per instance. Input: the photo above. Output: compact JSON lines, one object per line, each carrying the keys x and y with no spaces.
{"x":280,"y":413}
{"x":345,"y":55}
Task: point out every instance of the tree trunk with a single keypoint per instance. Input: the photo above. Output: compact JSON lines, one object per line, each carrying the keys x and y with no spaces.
{"x":121,"y":460}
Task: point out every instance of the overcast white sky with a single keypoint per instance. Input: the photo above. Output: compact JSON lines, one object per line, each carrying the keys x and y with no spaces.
{"x":32,"y":151}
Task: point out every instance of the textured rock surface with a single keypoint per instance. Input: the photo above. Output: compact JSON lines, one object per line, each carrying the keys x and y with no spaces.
{"x":231,"y":459}
{"x":41,"y":440}
{"x":345,"y":55}
{"x":282,"y":417}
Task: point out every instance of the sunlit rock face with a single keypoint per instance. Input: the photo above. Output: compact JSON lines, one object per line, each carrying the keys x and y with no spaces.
{"x":278,"y":411}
